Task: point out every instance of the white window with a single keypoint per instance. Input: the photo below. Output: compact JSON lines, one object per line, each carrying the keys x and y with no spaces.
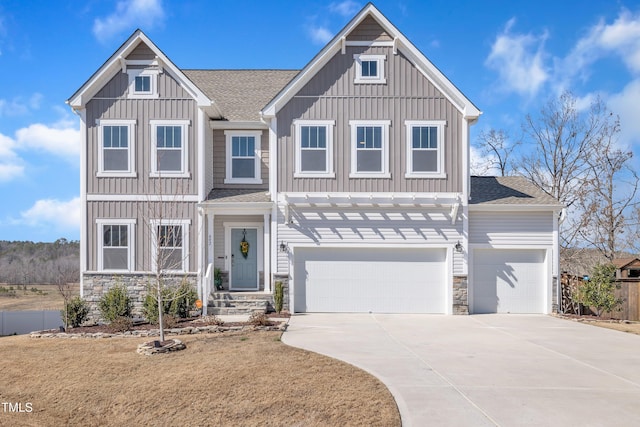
{"x":370,"y":148}
{"x":116,"y":139}
{"x":370,"y":68}
{"x":314,"y":148}
{"x":115,"y":239}
{"x":143,"y":83}
{"x":425,"y":149}
{"x":170,"y":245}
{"x":243,"y":157}
{"x":170,"y":155}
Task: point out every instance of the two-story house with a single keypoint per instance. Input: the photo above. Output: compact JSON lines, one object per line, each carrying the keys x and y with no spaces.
{"x":347,"y":180}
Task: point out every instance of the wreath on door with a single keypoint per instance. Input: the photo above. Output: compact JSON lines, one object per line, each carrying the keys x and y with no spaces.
{"x":244,"y":245}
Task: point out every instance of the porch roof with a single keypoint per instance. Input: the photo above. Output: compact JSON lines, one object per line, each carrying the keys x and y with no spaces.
{"x":238,"y":195}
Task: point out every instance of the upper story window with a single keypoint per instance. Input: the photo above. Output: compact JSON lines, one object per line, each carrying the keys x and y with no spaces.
{"x":370,"y":69}
{"x":170,"y":148}
{"x":171,"y":244}
{"x":143,"y":83}
{"x":243,"y":157}
{"x":425,"y":149}
{"x":370,"y":148}
{"x":115,"y":244}
{"x":314,"y":148}
{"x":116,"y":155}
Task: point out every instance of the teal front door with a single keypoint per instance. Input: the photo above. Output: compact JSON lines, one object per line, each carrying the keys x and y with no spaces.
{"x":244,"y":267}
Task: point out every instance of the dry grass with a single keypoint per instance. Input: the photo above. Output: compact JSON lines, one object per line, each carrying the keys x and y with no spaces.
{"x":632,"y":328}
{"x":48,"y":299}
{"x":248,"y":379}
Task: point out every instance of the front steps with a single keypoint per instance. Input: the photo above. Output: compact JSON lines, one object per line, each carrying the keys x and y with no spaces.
{"x":230,"y":303}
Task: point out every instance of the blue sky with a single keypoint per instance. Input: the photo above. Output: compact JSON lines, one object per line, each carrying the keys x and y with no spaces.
{"x":507,"y":57}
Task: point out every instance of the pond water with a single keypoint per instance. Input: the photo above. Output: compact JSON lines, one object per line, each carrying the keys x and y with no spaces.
{"x":23,"y":322}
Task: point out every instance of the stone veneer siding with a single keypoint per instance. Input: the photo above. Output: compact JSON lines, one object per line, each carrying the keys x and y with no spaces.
{"x":284,"y":278}
{"x":460,"y":295}
{"x":96,"y":284}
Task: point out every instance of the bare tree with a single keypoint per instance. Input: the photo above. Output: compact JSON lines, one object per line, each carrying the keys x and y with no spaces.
{"x":498,"y":151}
{"x":561,"y":143}
{"x":610,"y":197}
{"x":67,"y":278}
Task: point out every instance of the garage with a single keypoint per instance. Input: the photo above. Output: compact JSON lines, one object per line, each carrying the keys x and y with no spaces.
{"x":509,"y":281}
{"x":379,"y":280}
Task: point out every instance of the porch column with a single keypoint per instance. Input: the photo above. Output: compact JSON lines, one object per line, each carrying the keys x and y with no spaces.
{"x":266,"y":241}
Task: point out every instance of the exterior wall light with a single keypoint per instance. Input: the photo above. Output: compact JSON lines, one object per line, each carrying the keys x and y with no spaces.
{"x":458,"y":246}
{"x":283,"y":246}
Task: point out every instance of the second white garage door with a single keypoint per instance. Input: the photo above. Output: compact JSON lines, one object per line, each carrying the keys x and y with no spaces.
{"x":508,"y":281}
{"x":361,"y":280}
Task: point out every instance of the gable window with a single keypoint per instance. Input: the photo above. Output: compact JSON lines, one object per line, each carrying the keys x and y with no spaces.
{"x":143,"y":83}
{"x":425,"y":149}
{"x":370,"y":149}
{"x":169,"y":148}
{"x":314,"y":148}
{"x":171,"y":243}
{"x":243,"y":157}
{"x":115,"y":244}
{"x":116,"y":140}
{"x":370,"y":69}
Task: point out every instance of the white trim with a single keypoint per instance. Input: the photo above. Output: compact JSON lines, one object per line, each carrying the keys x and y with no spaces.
{"x":185,"y":223}
{"x":425,"y":66}
{"x":141,"y":198}
{"x":231,"y":125}
{"x":266,"y":253}
{"x":131,"y":242}
{"x":379,"y":60}
{"x":369,"y":43}
{"x":228,"y":226}
{"x":384,"y":124}
{"x":184,"y":149}
{"x":440,"y":126}
{"x":84,"y":250}
{"x":512,"y":207}
{"x":153,"y":83}
{"x":131,"y":148}
{"x":200,"y":149}
{"x":257,"y":179}
{"x":273,"y":158}
{"x":329,"y":126}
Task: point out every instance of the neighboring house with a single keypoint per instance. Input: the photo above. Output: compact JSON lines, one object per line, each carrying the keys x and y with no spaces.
{"x":348,"y":179}
{"x":627,"y":268}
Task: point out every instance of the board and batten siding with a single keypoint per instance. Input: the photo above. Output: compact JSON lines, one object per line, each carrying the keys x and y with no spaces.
{"x":142,"y":212}
{"x":111,"y":103}
{"x":511,"y":228}
{"x":368,"y":30}
{"x":326,"y":227}
{"x":407,"y":95}
{"x":219,"y":161}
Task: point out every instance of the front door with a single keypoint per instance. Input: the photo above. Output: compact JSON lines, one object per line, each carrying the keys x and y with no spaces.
{"x":244,"y":263}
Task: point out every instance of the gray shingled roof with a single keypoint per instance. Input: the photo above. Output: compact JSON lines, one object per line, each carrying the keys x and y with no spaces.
{"x":507,"y":190}
{"x":241,"y":94}
{"x":234,"y":195}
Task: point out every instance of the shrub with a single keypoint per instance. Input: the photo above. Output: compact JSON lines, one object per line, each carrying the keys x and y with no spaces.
{"x":599,"y":290}
{"x":77,"y":312}
{"x":176,"y":302}
{"x":259,"y":318}
{"x":115,"y":303}
{"x":278,"y":297}
{"x":121,"y":324}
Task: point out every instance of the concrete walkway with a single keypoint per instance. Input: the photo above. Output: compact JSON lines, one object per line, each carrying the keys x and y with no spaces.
{"x":506,"y":370}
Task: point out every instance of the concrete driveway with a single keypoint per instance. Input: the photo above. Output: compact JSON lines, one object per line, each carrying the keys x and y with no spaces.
{"x":507,"y":370}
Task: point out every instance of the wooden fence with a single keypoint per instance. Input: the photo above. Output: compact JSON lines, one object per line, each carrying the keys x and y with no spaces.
{"x":627,"y":290}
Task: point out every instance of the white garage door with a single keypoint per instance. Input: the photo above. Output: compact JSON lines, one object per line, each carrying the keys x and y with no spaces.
{"x":508,"y":281}
{"x":356,"y":280}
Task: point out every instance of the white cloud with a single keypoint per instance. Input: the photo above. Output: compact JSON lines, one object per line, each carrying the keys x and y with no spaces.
{"x":129,"y":14}
{"x":62,"y":139}
{"x":346,"y":8}
{"x":19,"y":106}
{"x":11,"y":166}
{"x":62,"y":215}
{"x":320,"y":35}
{"x":519,"y":61}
